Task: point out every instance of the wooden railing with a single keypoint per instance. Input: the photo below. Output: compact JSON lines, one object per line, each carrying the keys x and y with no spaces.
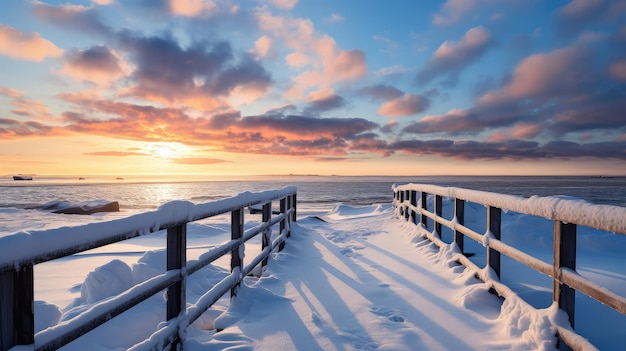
{"x":410,"y":203}
{"x":19,"y":253}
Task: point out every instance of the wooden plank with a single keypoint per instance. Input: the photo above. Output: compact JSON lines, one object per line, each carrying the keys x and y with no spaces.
{"x":424,"y":219}
{"x":17,"y":318}
{"x":494,"y":219}
{"x":414,"y":204}
{"x":564,"y":257}
{"x":176,"y":259}
{"x":236,"y":233}
{"x":438,"y":205}
{"x":459,"y":214}
{"x":295,"y":207}
{"x":265,"y":238}
{"x":282,"y":226}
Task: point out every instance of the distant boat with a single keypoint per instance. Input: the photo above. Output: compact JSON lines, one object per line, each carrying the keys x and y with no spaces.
{"x":20,"y":177}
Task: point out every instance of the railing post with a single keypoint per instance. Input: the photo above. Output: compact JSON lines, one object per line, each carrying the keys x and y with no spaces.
{"x":17,"y":318}
{"x":459,"y":214}
{"x":424,"y":219}
{"x":236,"y":259}
{"x":564,"y":257}
{"x":402,"y":210}
{"x":494,"y":218}
{"x":414,"y":204}
{"x":438,"y":211}
{"x":294,"y":205}
{"x":177,"y":259}
{"x":266,"y":236}
{"x":283,"y":209}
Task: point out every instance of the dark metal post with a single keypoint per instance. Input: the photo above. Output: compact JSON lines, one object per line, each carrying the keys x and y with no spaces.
{"x":494,"y":218}
{"x":294,"y":204}
{"x":438,"y":211}
{"x":414,"y":204}
{"x":459,"y":213}
{"x":424,"y":219}
{"x":17,"y":318}
{"x":282,"y":226}
{"x":265,"y":238}
{"x":176,"y":259}
{"x":564,"y":257}
{"x":236,"y":233}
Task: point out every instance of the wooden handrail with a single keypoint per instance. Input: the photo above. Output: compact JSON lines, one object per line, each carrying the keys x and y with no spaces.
{"x":566,"y":214}
{"x":18,"y":255}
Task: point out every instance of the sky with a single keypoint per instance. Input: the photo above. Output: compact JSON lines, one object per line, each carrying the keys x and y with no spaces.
{"x":351,"y":87}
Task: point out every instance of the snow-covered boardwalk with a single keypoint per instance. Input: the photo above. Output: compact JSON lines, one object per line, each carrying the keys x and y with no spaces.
{"x":362,"y":279}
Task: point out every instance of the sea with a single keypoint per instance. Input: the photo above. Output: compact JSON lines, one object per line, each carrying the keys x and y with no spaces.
{"x":141,"y":193}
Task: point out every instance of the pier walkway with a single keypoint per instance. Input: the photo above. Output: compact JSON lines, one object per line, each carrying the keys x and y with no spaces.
{"x":359,"y":278}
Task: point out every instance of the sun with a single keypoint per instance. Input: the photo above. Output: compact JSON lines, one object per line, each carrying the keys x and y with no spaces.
{"x":166,"y":150}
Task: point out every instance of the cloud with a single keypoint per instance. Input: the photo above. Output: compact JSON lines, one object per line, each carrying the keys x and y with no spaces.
{"x":26,"y":46}
{"x":98,"y":64}
{"x":405,"y":105}
{"x":548,"y":74}
{"x":324,"y":103}
{"x":318,"y":58}
{"x":391,"y":71}
{"x":203,"y":75}
{"x":284,"y":4}
{"x":618,"y":70}
{"x":389,"y":127}
{"x":84,"y":18}
{"x":381,"y":92}
{"x":115,"y":153}
{"x":197,"y":161}
{"x":511,"y":149}
{"x":262,"y":47}
{"x":564,"y":91}
{"x":453,"y":10}
{"x":23,"y":106}
{"x":334,"y":18}
{"x":451,"y":57}
{"x":192,"y":8}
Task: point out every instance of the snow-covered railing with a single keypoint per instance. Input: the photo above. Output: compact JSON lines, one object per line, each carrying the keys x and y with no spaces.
{"x":20,"y":252}
{"x":410,"y":203}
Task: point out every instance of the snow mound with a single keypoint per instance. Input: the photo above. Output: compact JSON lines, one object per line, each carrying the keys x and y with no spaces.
{"x":346,"y":211}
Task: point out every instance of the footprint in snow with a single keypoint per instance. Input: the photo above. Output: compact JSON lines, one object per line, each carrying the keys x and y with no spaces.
{"x":391,"y":314}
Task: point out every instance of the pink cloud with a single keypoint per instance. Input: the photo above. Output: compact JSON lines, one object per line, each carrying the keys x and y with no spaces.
{"x":618,"y":70}
{"x":321,"y":61}
{"x":451,"y":57}
{"x":545,"y":75}
{"x":284,"y":4}
{"x":453,"y":10}
{"x":98,"y":64}
{"x":26,"y":46}
{"x":192,"y":8}
{"x":405,"y":105}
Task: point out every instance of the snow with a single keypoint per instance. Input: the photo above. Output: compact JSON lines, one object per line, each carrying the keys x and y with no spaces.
{"x":564,"y":208}
{"x":355,"y":278}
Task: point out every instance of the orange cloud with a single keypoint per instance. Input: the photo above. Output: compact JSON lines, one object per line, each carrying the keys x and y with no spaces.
{"x":26,"y":46}
{"x":115,"y":153}
{"x":197,"y":161}
{"x":322,"y":62}
{"x":192,"y":8}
